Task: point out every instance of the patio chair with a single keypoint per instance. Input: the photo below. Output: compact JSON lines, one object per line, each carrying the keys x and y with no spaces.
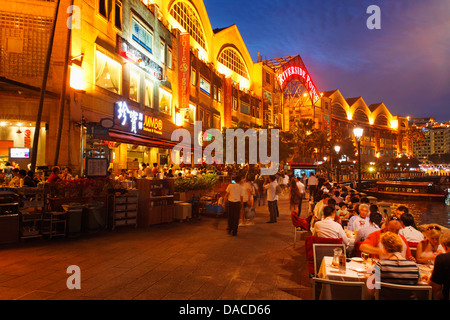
{"x":309,"y":241}
{"x":321,"y":250}
{"x":339,"y":290}
{"x":390,"y":291}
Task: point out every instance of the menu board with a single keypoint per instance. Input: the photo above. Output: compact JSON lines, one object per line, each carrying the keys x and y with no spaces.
{"x":96,"y":167}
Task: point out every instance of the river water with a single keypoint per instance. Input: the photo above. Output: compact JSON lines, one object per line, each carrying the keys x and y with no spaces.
{"x":424,"y":212}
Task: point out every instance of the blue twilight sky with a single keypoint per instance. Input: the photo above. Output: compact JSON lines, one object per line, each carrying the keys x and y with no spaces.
{"x":405,"y":64}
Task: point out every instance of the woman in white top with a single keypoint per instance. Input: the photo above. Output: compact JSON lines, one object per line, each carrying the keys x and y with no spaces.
{"x":409,"y":230}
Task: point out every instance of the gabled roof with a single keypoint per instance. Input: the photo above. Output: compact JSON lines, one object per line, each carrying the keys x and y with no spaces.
{"x":351,"y":101}
{"x":329,"y":93}
{"x":374,"y":106}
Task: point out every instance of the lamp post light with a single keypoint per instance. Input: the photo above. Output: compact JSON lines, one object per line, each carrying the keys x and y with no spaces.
{"x":358,"y":132}
{"x":337,"y":149}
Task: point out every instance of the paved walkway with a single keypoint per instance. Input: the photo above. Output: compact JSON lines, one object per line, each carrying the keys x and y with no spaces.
{"x":195,"y":260}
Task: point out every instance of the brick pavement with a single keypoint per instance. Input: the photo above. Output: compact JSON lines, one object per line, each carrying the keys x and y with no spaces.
{"x":195,"y":260}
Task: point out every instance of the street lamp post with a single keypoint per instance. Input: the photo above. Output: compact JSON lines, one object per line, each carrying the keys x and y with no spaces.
{"x":358,"y":132}
{"x":337,"y":149}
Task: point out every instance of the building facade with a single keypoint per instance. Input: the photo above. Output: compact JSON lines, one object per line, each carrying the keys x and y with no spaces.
{"x":140,"y":69}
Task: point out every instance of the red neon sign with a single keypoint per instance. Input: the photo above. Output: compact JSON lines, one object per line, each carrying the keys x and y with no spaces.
{"x":300,"y":72}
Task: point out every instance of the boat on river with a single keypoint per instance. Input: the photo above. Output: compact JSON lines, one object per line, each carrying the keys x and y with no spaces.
{"x":408,"y":190}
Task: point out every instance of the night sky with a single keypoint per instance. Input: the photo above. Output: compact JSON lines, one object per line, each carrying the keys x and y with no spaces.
{"x":405,"y":64}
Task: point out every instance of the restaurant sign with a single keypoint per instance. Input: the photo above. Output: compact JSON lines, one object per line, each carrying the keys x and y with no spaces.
{"x":135,"y":121}
{"x":129,"y":52}
{"x":303,"y":75}
{"x":184,"y":70}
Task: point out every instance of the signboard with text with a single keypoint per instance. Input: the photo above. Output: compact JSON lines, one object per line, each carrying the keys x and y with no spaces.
{"x":184,"y":70}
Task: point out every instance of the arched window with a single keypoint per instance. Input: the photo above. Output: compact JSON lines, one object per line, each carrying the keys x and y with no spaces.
{"x":360,"y":116}
{"x":381,"y":120}
{"x":188,"y":19}
{"x":231,"y":59}
{"x":338,"y":112}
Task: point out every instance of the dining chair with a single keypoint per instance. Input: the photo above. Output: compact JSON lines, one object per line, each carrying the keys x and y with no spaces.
{"x":391,"y":291}
{"x":321,"y":250}
{"x":309,"y":241}
{"x":413,"y":247}
{"x":339,"y":290}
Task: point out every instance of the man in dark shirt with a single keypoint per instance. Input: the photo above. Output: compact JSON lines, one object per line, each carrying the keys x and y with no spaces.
{"x":440,"y":279}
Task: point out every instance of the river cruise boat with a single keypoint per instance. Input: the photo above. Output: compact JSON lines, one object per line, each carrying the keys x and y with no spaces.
{"x":408,"y":189}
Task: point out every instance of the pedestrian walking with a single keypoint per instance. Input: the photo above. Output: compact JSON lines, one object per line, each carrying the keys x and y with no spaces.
{"x":312,"y":183}
{"x":295,"y":196}
{"x":272,"y":198}
{"x":234,"y":196}
{"x":301,"y":187}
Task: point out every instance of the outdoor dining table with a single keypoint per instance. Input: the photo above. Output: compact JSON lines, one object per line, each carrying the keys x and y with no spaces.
{"x":357,"y":270}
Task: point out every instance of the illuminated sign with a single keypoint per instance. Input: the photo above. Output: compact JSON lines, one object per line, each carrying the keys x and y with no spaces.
{"x":141,"y":35}
{"x":129,"y":117}
{"x":153,"y":125}
{"x":184,"y":55}
{"x":137,"y":121}
{"x":19,"y":153}
{"x":303,"y":74}
{"x":126,"y":50}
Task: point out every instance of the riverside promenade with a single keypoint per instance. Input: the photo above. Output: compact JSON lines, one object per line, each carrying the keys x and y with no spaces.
{"x":194,"y":260}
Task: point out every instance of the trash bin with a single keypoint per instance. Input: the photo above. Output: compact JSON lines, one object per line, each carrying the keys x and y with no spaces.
{"x":74,"y":215}
{"x":93,"y":217}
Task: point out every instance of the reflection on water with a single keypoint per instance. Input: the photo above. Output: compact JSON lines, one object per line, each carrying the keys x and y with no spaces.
{"x":424,"y":212}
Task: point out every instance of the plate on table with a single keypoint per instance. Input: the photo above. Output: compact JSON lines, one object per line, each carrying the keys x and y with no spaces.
{"x":356,"y":259}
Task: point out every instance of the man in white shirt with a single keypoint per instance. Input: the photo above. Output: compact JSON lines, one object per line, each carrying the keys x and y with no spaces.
{"x":409,"y":230}
{"x":272,"y":198}
{"x":301,"y":187}
{"x":312,"y":183}
{"x":362,"y":219}
{"x":235,"y":194}
{"x":328,"y":228}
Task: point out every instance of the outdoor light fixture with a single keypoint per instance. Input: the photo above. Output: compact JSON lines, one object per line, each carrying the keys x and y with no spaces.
{"x":338,"y":164}
{"x":358,"y":132}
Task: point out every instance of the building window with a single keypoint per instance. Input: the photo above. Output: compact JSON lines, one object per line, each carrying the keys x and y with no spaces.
{"x":219,"y":95}
{"x":187,"y":18}
{"x":193,"y":77}
{"x":165,"y":101}
{"x":102,"y":7}
{"x":169,"y":58}
{"x":118,"y":14}
{"x":231,"y":59}
{"x":163,"y":51}
{"x":205,"y":87}
{"x":245,"y":108}
{"x":268,"y":77}
{"x":134,"y":84}
{"x":108,"y":72}
{"x":235,"y":104}
{"x":142,"y":35}
{"x":215,"y":92}
{"x":148,"y":93}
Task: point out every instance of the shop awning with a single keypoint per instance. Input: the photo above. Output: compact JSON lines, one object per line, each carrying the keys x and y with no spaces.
{"x":148,"y":142}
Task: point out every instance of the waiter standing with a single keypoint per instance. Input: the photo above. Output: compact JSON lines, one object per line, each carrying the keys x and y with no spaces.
{"x":235,"y":196}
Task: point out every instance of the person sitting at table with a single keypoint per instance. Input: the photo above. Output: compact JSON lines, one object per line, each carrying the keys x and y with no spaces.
{"x":374,"y":225}
{"x":401,"y":210}
{"x":342,"y":211}
{"x":15,"y":181}
{"x":328,"y":228}
{"x":359,"y":221}
{"x":440,"y":278}
{"x":429,"y":248}
{"x":409,"y":229}
{"x":123,"y":175}
{"x":372,"y":244}
{"x":318,"y":209}
{"x":394,"y":268}
{"x":54,"y":177}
